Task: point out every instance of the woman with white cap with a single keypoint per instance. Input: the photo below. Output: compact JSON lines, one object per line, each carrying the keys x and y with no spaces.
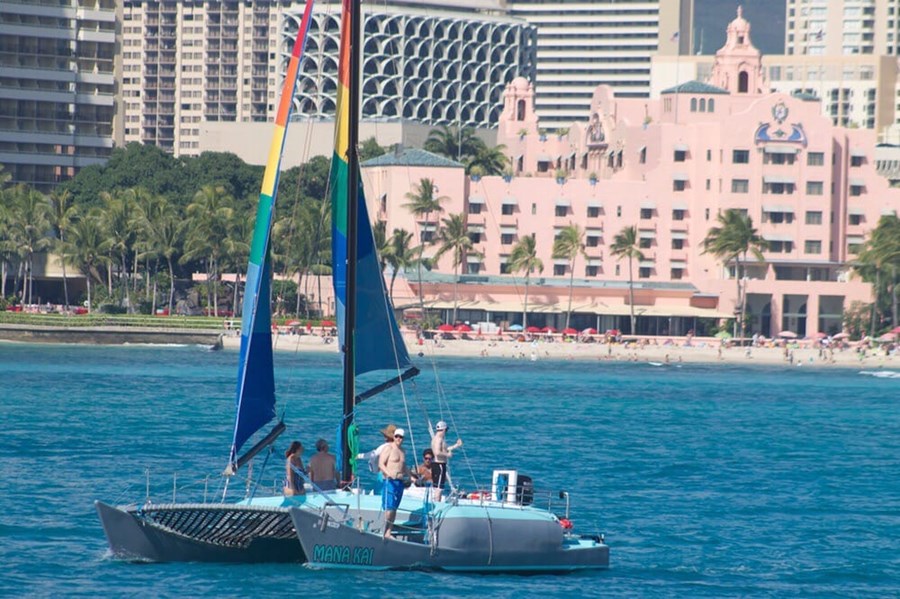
{"x":442,"y":453}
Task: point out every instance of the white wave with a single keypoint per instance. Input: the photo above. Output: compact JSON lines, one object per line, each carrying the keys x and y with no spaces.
{"x":881,"y":374}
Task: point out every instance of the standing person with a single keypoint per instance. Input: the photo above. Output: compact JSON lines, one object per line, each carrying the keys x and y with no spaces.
{"x":442,"y":453}
{"x":372,"y":456}
{"x":323,"y":467}
{"x":293,"y":485}
{"x":392,"y":465}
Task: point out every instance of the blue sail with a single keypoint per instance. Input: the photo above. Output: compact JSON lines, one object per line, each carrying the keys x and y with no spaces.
{"x":379,"y":345}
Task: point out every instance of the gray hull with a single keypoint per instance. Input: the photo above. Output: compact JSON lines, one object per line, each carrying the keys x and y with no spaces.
{"x":201,"y":533}
{"x":477,"y":544}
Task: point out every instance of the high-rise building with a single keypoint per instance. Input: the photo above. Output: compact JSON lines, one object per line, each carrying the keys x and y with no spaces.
{"x":57,"y":83}
{"x":842,"y":27}
{"x":604,"y":42}
{"x":192,"y":61}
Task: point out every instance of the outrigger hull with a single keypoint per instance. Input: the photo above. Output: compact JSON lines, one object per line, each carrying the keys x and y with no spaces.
{"x":201,"y":533}
{"x":511,"y":544}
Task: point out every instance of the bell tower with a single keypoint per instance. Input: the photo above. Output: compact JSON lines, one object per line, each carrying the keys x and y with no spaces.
{"x":738,"y":66}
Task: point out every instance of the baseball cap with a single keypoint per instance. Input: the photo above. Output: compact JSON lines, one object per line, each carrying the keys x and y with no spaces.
{"x":441,"y":426}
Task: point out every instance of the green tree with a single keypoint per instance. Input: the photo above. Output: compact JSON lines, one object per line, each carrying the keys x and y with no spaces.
{"x":162,"y":235}
{"x":86,"y":249}
{"x":490,"y":161}
{"x":121,"y":222}
{"x":454,"y":240}
{"x":29,"y":228}
{"x":452,"y":142}
{"x":401,"y":255}
{"x":880,"y":256}
{"x":569,"y":244}
{"x":732,"y":240}
{"x":62,"y":215}
{"x":210,"y":215}
{"x":423,"y":201}
{"x":523,"y":258}
{"x":625,"y":245}
{"x":371,"y":149}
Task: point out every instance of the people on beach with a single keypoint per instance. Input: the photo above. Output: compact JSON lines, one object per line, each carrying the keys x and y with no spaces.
{"x":323,"y":467}
{"x":372,"y":456}
{"x":442,"y":453}
{"x":293,"y":482}
{"x":423,"y":472}
{"x":392,"y":466}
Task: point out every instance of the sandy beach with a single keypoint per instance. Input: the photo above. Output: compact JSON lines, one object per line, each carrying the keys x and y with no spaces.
{"x":657,"y":351}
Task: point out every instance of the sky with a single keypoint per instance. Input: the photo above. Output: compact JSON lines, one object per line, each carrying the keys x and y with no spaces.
{"x":766,"y":19}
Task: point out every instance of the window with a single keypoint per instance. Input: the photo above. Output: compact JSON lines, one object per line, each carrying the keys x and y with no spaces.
{"x":644,"y":272}
{"x":591,"y":270}
{"x":781,"y":247}
{"x":427,"y":236}
{"x":678,"y":244}
{"x":709,"y":155}
{"x":645,"y":243}
{"x":646,"y":213}
{"x":778,"y":159}
{"x":507,"y":209}
{"x":593,"y":211}
{"x":473,"y":268}
{"x":815,"y":159}
{"x":559,"y":270}
{"x":680,"y":156}
{"x":854,"y":247}
{"x":740,"y":156}
{"x":504,"y":268}
{"x":778,"y":188}
{"x":533,"y":208}
{"x":812,"y":246}
{"x":706,"y":214}
{"x":693,"y":104}
{"x":740,"y":186}
{"x":857,"y":160}
{"x":777,"y":217}
{"x":507,"y":238}
{"x":856,"y":219}
{"x":678,"y":214}
{"x":856,"y":190}
{"x":813,"y":218}
{"x":561,"y":210}
{"x":814,"y":188}
{"x":643,"y":156}
{"x":475,"y":236}
{"x":677,"y":274}
{"x":618,"y":211}
{"x":618,"y":270}
{"x":475,"y":208}
{"x":678,"y":185}
{"x":592,"y":241}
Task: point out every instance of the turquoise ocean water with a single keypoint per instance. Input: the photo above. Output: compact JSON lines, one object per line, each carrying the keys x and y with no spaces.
{"x":707,"y":481}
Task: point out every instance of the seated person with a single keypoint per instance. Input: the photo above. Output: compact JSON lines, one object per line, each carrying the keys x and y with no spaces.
{"x":423,"y":472}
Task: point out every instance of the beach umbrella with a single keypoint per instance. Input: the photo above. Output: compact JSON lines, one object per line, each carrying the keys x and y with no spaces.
{"x":570,"y":331}
{"x":515,"y":327}
{"x":787,"y":335}
{"x":612,"y":332}
{"x":887,"y":337}
{"x":548,"y":330}
{"x":589,"y":331}
{"x":841,"y":336}
{"x":896,"y":330}
{"x":464,"y":328}
{"x":821,"y":335}
{"x":533,"y":329}
{"x":327,"y":323}
{"x":293,"y":323}
{"x":723,"y":335}
{"x":445,"y":327}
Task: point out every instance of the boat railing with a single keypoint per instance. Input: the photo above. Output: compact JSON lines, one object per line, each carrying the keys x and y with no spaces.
{"x":207,"y":489}
{"x":556,"y":502}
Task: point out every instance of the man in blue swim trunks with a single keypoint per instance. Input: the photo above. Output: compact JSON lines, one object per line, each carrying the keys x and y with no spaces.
{"x":392,"y":465}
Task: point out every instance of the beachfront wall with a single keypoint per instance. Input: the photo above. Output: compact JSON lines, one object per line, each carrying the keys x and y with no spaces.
{"x":667,"y":167}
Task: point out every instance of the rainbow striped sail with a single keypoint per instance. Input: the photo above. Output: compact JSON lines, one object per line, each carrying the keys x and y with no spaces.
{"x":378,"y":344}
{"x":256,"y":377}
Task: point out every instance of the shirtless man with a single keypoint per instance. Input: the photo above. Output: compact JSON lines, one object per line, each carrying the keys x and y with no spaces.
{"x":392,"y":465}
{"x":441,"y":454}
{"x":323,"y":467}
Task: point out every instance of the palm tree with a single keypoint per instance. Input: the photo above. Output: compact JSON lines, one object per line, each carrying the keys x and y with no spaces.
{"x":62,"y":215}
{"x":422,"y":202}
{"x":163,"y":231}
{"x":210,"y":214}
{"x":454,"y":239}
{"x":400,"y":255}
{"x":625,"y":245}
{"x":454,"y":143}
{"x":122,"y":220}
{"x":86,"y":248}
{"x":569,"y":244}
{"x":490,"y":161}
{"x":733,"y":239}
{"x":29,"y":228}
{"x":881,"y":253}
{"x":524,"y":258}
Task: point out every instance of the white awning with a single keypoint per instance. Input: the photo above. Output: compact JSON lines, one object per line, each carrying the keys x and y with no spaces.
{"x":648,"y":205}
{"x":594,"y":204}
{"x":679,"y":206}
{"x":679,"y":235}
{"x":504,"y":258}
{"x":563,"y":202}
{"x":778,"y":179}
{"x":594,"y":231}
{"x":507,"y":229}
{"x":594,"y":262}
{"x":777,"y":208}
{"x":768,"y":237}
{"x":857,"y":152}
{"x":509,"y":201}
{"x":475,"y":228}
{"x":779,"y":149}
{"x":647,"y":234}
{"x":678,"y":263}
{"x":561,"y":261}
{"x":855,"y":239}
{"x":429,"y":227}
{"x":856,"y":211}
{"x":543,"y":158}
{"x":857,"y":182}
{"x":888,"y":212}
{"x":648,"y":264}
{"x":476,"y":200}
{"x":680,"y":177}
{"x":681,"y":147}
{"x":473,"y":259}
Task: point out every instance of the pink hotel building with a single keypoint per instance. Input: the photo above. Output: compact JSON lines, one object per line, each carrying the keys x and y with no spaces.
{"x":667,"y":166}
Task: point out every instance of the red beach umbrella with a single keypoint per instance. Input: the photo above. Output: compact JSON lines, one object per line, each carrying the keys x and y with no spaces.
{"x":570,"y":331}
{"x":896,"y":330}
{"x":464,"y":328}
{"x":327,"y":323}
{"x":445,"y":327}
{"x":293,"y":323}
{"x":589,"y":331}
{"x":548,"y":330}
{"x":533,"y":329}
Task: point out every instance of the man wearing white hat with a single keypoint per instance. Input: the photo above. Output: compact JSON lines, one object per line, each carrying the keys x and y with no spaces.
{"x":442,"y":453}
{"x":392,"y":465}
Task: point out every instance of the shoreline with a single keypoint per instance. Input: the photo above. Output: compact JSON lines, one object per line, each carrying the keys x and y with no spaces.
{"x":700,"y":352}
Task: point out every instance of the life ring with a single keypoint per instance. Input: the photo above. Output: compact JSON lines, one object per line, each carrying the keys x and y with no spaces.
{"x":480,"y":495}
{"x":566,"y":524}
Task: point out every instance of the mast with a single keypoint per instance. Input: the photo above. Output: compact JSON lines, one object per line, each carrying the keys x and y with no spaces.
{"x":352,"y":227}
